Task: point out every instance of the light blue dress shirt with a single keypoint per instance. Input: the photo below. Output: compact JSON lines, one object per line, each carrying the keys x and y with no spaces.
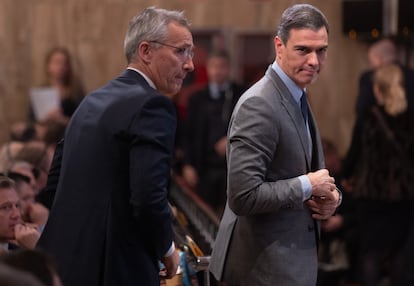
{"x":296,"y":92}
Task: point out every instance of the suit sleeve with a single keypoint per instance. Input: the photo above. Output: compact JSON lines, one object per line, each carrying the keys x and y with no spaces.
{"x":253,"y":137}
{"x":193,"y":138}
{"x":366,"y":97}
{"x":150,"y":156}
{"x":47,"y":196}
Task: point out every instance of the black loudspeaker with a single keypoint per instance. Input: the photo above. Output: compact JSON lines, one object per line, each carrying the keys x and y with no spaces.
{"x":405,"y":18}
{"x":362,"y":19}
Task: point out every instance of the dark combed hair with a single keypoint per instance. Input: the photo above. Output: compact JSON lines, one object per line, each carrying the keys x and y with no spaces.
{"x":301,"y":16}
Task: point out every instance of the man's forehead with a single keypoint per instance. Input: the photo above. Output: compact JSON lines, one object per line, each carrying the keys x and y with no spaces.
{"x":8,"y":194}
{"x":307,"y":33}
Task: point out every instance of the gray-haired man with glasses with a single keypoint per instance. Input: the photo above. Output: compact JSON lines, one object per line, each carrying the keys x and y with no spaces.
{"x":110,"y":223}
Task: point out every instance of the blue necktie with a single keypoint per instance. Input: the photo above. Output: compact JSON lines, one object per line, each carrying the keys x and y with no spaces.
{"x":304,"y":107}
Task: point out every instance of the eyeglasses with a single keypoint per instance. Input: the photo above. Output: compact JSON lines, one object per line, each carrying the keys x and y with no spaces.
{"x":184,"y":52}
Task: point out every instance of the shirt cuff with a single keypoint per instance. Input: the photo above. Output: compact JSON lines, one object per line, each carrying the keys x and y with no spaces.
{"x":171,"y":250}
{"x":306,"y":187}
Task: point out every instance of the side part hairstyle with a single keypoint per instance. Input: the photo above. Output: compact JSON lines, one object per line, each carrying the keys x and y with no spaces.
{"x":150,"y":25}
{"x":301,"y":16}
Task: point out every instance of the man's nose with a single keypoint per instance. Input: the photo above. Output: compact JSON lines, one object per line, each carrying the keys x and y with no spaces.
{"x":15,"y":212}
{"x":313,"y":59}
{"x":189,"y":65}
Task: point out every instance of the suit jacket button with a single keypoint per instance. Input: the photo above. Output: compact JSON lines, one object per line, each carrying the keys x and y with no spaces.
{"x":310,"y":228}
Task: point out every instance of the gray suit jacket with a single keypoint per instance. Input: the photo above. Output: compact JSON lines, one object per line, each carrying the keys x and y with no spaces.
{"x":267,"y":235}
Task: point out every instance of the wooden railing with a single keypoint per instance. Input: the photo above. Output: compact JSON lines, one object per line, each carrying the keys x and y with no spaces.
{"x":196,"y":211}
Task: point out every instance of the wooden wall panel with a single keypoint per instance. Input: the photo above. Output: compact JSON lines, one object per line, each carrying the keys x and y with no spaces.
{"x":93,"y":30}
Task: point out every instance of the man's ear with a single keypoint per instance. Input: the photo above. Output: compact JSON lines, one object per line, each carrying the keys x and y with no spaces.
{"x":145,"y":52}
{"x":278,"y":46}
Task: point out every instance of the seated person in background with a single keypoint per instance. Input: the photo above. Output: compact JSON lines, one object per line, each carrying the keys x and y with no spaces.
{"x":39,"y":155}
{"x":60,"y":74}
{"x":24,"y":168}
{"x":11,"y":277}
{"x":23,"y":131}
{"x":35,"y":262}
{"x":8,"y":152}
{"x":12,"y":230}
{"x":31,"y":211}
{"x":49,"y":131}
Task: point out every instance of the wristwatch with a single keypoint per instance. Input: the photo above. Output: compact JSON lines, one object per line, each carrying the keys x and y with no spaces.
{"x":340,"y":197}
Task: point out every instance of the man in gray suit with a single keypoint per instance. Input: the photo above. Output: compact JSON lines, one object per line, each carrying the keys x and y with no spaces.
{"x":278,"y":188}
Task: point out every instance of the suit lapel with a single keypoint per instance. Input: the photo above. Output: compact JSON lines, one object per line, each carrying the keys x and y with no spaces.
{"x":293,"y":111}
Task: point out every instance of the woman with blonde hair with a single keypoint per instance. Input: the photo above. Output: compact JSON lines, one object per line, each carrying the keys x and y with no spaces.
{"x":382,"y":171}
{"x":389,"y":89}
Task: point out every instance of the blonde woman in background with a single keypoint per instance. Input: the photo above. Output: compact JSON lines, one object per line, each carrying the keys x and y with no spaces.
{"x":382,"y":172}
{"x":389,"y":90}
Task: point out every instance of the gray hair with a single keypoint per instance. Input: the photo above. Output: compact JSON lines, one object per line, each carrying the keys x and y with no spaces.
{"x":301,"y":16}
{"x":150,"y":25}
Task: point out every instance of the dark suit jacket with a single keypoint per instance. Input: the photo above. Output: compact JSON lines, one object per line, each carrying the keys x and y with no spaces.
{"x":47,"y":195}
{"x":110,"y":221}
{"x":206,"y":124}
{"x":267,"y":235}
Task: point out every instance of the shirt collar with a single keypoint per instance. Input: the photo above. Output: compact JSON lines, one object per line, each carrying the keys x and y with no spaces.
{"x":147,"y":79}
{"x":295,"y":90}
{"x":215,"y":89}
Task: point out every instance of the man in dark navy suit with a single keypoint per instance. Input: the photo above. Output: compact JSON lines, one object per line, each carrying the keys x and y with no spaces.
{"x":110,"y":223}
{"x":209,"y":111}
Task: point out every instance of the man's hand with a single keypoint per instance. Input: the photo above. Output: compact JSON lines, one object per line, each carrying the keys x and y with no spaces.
{"x":325,"y":197}
{"x":190,"y":175}
{"x":220,"y":147}
{"x":26,"y":236}
{"x":171,"y":265}
{"x":334,"y":223}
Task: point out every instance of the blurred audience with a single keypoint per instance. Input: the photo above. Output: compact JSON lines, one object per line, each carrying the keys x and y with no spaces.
{"x":34,"y":262}
{"x":31,"y":211}
{"x":209,"y":112}
{"x":8,"y":153}
{"x":13,"y":231}
{"x":39,"y":155}
{"x":338,"y":247}
{"x":60,"y":74}
{"x":383,"y":52}
{"x":379,"y":170}
{"x":9,"y":276}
